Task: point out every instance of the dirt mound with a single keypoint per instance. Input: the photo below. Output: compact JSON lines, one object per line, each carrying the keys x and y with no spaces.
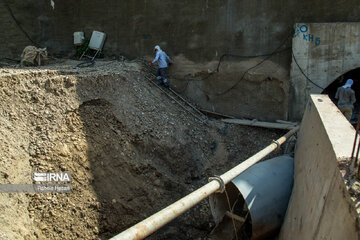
{"x":130,"y":149}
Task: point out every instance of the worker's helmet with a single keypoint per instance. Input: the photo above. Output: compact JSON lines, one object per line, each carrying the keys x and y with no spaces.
{"x":157,"y":48}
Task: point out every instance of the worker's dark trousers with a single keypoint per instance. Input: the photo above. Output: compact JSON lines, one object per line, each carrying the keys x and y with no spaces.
{"x":161,"y":77}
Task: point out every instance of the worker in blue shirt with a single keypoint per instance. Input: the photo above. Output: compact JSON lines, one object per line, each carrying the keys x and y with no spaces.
{"x":162,"y":58}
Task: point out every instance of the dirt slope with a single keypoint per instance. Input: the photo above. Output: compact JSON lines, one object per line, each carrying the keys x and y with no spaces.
{"x":130,"y":149}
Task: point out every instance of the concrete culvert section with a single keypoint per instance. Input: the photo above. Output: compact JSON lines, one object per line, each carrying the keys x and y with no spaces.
{"x":130,"y":149}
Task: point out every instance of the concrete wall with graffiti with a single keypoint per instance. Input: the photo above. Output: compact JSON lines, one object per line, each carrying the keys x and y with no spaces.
{"x":321,"y":53}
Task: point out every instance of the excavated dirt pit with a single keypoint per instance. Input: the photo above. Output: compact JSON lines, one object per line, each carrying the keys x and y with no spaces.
{"x":131,"y":152}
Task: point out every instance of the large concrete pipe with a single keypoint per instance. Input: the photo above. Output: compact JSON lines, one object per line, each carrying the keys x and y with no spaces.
{"x":259,"y":196}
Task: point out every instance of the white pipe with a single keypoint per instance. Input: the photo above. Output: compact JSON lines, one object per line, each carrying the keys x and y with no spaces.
{"x":159,"y":219}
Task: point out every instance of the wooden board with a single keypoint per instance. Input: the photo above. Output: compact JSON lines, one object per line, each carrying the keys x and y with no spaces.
{"x":256,"y":123}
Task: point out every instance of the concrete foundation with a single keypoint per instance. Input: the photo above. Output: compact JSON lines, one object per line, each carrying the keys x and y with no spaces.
{"x":320,"y":206}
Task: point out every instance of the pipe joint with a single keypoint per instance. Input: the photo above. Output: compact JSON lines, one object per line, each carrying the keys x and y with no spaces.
{"x":278,"y":145}
{"x":220,"y":181}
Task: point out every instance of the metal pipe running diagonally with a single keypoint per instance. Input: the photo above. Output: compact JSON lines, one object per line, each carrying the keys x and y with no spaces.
{"x":159,"y":219}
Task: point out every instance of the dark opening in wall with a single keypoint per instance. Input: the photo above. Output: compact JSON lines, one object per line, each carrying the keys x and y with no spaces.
{"x":340,"y":81}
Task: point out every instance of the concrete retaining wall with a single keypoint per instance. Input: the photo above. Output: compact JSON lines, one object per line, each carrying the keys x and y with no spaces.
{"x":320,"y":206}
{"x":201,"y":30}
{"x":195,"y":34}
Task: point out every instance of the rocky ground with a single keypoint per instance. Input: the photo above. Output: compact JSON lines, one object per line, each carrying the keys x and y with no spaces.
{"x":352,"y":181}
{"x":130,"y":149}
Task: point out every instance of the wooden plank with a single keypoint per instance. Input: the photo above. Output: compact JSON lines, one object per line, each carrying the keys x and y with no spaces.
{"x":287,"y":122}
{"x":256,"y":123}
{"x":215,"y":114}
{"x":235,"y":217}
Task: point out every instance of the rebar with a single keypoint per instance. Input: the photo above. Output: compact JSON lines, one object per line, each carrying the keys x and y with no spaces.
{"x":354,"y":145}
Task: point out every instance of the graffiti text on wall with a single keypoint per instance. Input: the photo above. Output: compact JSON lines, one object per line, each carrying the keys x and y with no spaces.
{"x":303,"y":31}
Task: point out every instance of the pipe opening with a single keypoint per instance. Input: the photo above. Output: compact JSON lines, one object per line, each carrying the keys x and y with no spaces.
{"x":258,"y":198}
{"x":226,"y":217}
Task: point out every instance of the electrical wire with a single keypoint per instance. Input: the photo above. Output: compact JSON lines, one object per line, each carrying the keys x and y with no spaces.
{"x":6,"y":60}
{"x":186,"y":86}
{"x":17,"y":22}
{"x":304,"y":73}
{"x":268,"y":56}
{"x":245,"y":56}
{"x":91,"y":63}
{"x":85,"y":64}
{"x":230,"y":55}
{"x":10,"y":59}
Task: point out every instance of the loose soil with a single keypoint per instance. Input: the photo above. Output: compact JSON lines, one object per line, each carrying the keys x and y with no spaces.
{"x":130,"y":149}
